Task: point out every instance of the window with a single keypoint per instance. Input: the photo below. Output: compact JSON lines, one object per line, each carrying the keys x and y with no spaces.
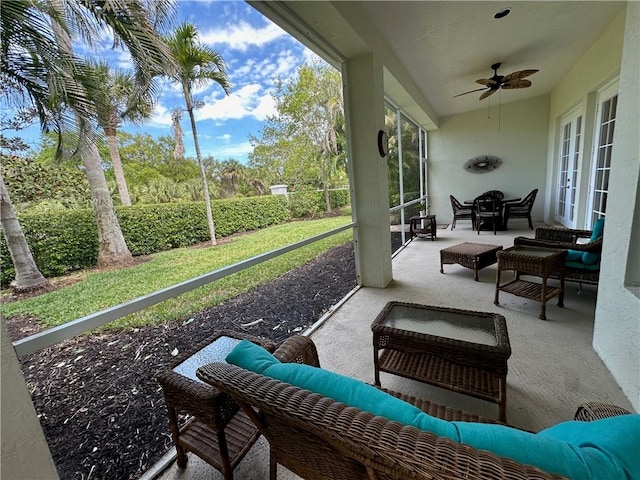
{"x":606,"y":120}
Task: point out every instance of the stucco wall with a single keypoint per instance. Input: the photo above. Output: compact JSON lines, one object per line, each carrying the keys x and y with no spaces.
{"x":517,"y":135}
{"x":617,"y":325}
{"x":598,"y":66}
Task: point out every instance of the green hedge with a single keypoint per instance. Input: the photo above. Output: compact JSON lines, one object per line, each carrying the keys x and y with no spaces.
{"x":67,"y":240}
{"x":310,"y":203}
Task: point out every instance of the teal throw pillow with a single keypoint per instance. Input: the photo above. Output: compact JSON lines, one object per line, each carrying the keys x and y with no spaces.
{"x":598,"y":230}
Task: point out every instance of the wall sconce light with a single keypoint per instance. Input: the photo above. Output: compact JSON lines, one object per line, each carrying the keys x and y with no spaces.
{"x":383,"y":143}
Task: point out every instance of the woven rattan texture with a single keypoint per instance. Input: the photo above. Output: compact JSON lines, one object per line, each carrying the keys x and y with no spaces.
{"x":590,"y":411}
{"x":566,"y":238}
{"x":319,"y":439}
{"x":212,"y":411}
{"x":515,"y":258}
{"x":475,"y":256}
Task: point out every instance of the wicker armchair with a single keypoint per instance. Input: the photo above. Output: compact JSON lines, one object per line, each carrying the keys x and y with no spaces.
{"x":318,"y":438}
{"x":567,"y":239}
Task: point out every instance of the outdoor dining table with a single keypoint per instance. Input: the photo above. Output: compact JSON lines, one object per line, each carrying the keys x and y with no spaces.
{"x":500,"y":225}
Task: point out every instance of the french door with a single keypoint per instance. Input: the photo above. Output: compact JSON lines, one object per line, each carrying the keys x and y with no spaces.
{"x":603,"y":145}
{"x":570,"y":159}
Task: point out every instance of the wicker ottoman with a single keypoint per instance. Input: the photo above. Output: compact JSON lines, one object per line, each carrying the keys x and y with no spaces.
{"x":475,"y":256}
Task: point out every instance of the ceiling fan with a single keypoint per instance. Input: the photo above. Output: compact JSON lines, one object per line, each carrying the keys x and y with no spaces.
{"x":508,"y":82}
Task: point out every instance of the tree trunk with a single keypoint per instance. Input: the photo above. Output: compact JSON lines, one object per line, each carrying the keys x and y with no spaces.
{"x":113,"y":248}
{"x":327,"y":199}
{"x":118,"y":171}
{"x":203,"y":173}
{"x":28,"y":277}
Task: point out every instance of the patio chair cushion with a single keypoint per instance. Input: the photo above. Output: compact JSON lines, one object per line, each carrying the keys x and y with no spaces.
{"x":344,"y":389}
{"x":605,"y":448}
{"x":586,"y":260}
{"x":577,"y":450}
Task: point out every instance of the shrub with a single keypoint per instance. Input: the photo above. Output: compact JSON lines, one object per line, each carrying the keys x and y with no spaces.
{"x":310,"y":203}
{"x":67,"y":240}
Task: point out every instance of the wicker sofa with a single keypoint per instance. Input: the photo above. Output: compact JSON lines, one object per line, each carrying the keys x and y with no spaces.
{"x":319,"y":438}
{"x":567,"y":239}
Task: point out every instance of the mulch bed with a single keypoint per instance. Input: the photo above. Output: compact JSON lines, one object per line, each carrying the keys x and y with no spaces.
{"x":99,"y":404}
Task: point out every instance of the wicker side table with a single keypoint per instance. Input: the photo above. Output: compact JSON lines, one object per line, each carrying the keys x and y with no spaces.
{"x":218,"y":432}
{"x":541,"y":262}
{"x":423,"y":225}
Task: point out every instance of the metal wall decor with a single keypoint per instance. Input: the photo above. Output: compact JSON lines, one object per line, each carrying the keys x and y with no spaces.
{"x":482,"y":164}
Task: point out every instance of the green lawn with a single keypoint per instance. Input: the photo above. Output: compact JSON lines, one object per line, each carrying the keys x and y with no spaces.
{"x":101,"y":290}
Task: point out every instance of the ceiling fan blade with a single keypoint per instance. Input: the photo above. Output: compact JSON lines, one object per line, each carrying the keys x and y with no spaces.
{"x":519,"y":74}
{"x":471,"y":91}
{"x":487,"y":94}
{"x":486,"y":81}
{"x":516,"y":84}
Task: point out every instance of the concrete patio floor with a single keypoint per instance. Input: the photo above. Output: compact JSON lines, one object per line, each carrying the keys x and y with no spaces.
{"x":553,"y":367}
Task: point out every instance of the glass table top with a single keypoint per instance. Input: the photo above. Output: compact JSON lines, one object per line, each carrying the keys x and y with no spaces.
{"x":214,"y":352}
{"x":457,"y":326}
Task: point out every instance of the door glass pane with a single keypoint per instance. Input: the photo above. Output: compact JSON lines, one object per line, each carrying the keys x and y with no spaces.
{"x":600,"y":186}
{"x":574,"y":172}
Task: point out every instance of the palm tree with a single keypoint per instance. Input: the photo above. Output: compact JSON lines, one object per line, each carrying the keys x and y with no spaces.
{"x":197,"y":66}
{"x":27,"y":274}
{"x":54,"y":81}
{"x":118,"y":100}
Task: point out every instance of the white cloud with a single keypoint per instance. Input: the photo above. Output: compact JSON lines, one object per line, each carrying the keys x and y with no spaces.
{"x":237,"y":151}
{"x":241,"y":35}
{"x":249,"y":101}
{"x":161,"y":116}
{"x":226,"y":137}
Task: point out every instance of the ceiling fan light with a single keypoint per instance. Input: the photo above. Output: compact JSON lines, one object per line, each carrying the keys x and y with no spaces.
{"x":502,"y":13}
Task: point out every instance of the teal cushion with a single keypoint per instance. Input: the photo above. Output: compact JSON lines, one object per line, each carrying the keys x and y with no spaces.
{"x":612,"y":443}
{"x":577,"y":450}
{"x":581,"y":266}
{"x":573,"y":256}
{"x":590,"y":258}
{"x":343,"y":389}
{"x":598,"y":230}
{"x":601,"y":449}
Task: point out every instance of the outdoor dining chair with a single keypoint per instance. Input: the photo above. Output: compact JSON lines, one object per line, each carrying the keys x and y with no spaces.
{"x":461,"y":212}
{"x":488,"y":208}
{"x":521,"y":209}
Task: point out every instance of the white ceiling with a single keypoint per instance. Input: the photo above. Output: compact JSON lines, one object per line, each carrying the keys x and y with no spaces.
{"x":444,"y":47}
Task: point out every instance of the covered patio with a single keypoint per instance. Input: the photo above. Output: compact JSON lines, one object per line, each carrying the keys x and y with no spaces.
{"x":552,"y":369}
{"x":418,"y":56}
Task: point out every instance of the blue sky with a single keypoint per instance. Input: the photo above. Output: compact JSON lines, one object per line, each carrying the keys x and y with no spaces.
{"x":257,"y":53}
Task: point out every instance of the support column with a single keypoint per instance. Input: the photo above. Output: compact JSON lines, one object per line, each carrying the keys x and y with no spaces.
{"x":25,"y":453}
{"x":364,"y":114}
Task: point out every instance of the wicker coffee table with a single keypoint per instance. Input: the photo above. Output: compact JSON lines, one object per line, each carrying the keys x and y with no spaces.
{"x":541,"y":262}
{"x":475,"y":256}
{"x":459,"y":350}
{"x":218,"y":432}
